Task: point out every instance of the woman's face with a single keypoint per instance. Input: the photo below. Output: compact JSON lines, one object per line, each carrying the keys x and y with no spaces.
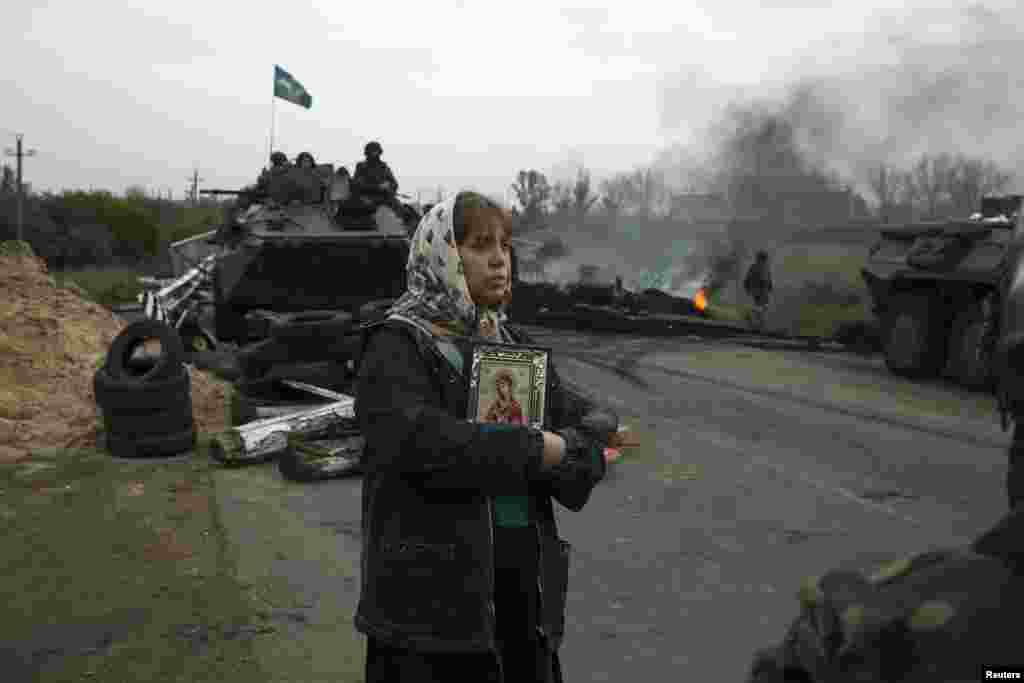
{"x":486,"y":260}
{"x":504,"y":390}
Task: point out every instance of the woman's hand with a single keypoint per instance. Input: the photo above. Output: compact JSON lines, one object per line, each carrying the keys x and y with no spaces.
{"x":623,"y":438}
{"x":554,"y":449}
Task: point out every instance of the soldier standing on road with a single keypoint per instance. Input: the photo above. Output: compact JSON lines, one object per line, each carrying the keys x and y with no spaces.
{"x":758,"y":285}
{"x":463,"y":572}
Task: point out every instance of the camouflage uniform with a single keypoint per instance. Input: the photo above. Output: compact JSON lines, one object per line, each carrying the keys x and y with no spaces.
{"x":938,"y":616}
{"x":758,"y":283}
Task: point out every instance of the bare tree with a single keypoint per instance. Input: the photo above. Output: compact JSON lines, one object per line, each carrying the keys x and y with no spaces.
{"x":932,"y":174}
{"x":884,"y":182}
{"x":973,"y":178}
{"x":581,"y":195}
{"x":8,"y":182}
{"x":907,"y":191}
{"x":533,"y":193}
{"x":562,"y":198}
{"x":623,"y":191}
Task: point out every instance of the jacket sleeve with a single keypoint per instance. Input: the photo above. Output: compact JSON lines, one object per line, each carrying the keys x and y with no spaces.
{"x":569,"y":486}
{"x":406,"y":431}
{"x":391,"y":178}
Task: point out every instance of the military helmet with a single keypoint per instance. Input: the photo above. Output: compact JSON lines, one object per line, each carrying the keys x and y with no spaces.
{"x":373,"y":147}
{"x":278,"y":158}
{"x":304,"y":155}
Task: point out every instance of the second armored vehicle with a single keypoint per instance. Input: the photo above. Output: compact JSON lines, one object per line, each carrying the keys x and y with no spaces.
{"x":937,"y":290}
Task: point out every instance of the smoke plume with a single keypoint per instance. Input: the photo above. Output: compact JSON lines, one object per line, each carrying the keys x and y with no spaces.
{"x":928,"y":82}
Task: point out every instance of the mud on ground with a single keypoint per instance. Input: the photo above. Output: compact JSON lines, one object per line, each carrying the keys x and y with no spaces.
{"x":52,"y":339}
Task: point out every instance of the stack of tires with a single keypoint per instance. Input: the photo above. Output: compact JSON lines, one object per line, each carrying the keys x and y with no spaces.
{"x":146,"y":402}
{"x":316,"y":347}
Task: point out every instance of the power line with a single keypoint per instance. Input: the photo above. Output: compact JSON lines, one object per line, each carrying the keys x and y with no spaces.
{"x":194,"y":179}
{"x":20,"y":154}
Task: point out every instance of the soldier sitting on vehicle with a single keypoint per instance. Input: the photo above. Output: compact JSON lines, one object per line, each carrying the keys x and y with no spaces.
{"x":278,"y":164}
{"x":373,"y":182}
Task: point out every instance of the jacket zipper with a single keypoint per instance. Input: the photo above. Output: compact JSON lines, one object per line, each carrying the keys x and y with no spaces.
{"x":540,"y":582}
{"x":490,"y":596}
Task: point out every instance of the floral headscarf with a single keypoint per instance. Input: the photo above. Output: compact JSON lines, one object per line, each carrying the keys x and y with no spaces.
{"x":437,"y":298}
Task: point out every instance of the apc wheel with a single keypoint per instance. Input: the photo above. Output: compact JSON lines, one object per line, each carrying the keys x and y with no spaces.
{"x":970,"y":362}
{"x":166,"y":365}
{"x":915,"y":340}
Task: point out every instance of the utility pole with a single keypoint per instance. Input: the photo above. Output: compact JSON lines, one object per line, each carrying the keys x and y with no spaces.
{"x":20,"y":153}
{"x":195,"y":180}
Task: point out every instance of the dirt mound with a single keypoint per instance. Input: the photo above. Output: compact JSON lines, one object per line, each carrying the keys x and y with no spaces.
{"x":51,"y":342}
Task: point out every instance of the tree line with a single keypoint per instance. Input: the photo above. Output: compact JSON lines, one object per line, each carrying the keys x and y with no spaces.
{"x":95,"y":228}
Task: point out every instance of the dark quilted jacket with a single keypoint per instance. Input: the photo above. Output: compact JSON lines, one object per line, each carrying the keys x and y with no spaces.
{"x":430,"y":477}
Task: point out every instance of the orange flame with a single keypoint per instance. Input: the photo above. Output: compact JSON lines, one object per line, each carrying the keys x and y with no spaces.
{"x":701,"y":300}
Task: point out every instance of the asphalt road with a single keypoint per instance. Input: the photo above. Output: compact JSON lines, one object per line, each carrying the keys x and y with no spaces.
{"x":689,"y":555}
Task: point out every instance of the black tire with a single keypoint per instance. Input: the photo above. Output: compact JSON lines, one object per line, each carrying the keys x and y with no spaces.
{"x":140,"y":398}
{"x":173,"y":420}
{"x":915,"y":341}
{"x":970,"y":362}
{"x":168,"y":363}
{"x":258,"y":360}
{"x":372,"y":311}
{"x":315,"y":326}
{"x":230,"y":324}
{"x":151,"y":447}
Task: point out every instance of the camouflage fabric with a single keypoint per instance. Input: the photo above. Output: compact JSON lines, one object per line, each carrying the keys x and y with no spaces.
{"x":938,"y":616}
{"x":437,"y":293}
{"x":758,"y":282}
{"x":370,"y":174}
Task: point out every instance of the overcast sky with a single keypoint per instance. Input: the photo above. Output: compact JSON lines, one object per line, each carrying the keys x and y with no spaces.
{"x":461,"y":94}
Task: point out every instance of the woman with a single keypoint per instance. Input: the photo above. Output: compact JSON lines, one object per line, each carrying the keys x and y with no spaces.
{"x":463,"y":573}
{"x":505,"y":408}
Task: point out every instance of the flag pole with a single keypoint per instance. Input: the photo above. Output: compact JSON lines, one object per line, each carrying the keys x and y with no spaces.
{"x":273,"y":107}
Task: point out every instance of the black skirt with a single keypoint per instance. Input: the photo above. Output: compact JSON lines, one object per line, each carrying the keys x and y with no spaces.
{"x":524,"y":656}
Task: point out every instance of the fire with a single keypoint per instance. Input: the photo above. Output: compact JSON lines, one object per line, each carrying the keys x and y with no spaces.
{"x":701,"y":300}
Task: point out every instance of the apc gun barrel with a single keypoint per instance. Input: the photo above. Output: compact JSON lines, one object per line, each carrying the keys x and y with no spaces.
{"x":227,"y":192}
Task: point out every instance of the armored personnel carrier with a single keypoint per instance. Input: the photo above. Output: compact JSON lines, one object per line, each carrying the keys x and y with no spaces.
{"x":938,"y":292}
{"x":298,"y":242}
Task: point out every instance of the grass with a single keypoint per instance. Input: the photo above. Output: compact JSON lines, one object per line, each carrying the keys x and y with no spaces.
{"x":106,"y":286}
{"x":818,"y":287}
{"x":117,"y":571}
